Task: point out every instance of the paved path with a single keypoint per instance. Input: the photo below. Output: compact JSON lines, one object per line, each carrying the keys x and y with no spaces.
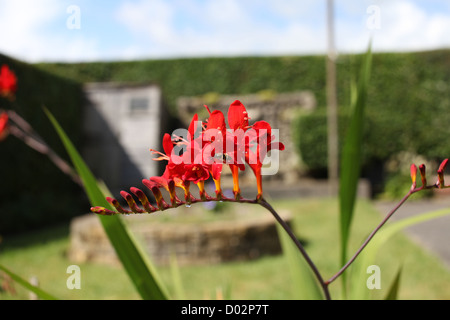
{"x":433,"y":235}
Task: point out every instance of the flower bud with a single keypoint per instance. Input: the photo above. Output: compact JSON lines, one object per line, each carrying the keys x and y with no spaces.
{"x":413,"y":171}
{"x":441,"y":173}
{"x":143,"y":199}
{"x":102,"y":211}
{"x":423,"y":175}
{"x":131,"y":203}
{"x":116,"y":205}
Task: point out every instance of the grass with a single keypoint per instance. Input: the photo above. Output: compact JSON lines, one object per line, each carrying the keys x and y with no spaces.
{"x":42,"y":254}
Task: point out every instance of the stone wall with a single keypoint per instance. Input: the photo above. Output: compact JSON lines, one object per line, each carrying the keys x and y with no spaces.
{"x":279,"y":109}
{"x":191,"y":242}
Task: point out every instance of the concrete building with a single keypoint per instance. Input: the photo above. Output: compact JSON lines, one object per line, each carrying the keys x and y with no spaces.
{"x":121,"y":123}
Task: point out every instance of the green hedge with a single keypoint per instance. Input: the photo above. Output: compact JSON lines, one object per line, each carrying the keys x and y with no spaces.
{"x":34,"y":193}
{"x":381,"y":139}
{"x":407,"y":110}
{"x":192,"y":77}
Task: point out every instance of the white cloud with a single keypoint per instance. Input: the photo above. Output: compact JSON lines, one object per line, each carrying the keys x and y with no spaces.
{"x":29,"y":33}
{"x":21,"y":22}
{"x":403,"y":26}
{"x":35,"y":30}
{"x":221,"y":27}
{"x":153,"y":19}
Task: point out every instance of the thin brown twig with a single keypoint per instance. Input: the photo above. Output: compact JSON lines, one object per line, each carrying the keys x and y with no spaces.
{"x":381,"y":224}
{"x":366,"y":242}
{"x":23,"y":131}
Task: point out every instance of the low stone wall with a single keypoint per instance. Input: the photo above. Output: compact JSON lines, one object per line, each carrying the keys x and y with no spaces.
{"x":193,"y":243}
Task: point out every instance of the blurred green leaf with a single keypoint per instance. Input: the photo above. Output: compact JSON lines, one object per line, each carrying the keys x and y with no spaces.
{"x":395,"y":285}
{"x":133,"y":258}
{"x":180,"y":293}
{"x":352,"y":155}
{"x":41,"y":294}
{"x":304,"y":283}
{"x":357,"y":285}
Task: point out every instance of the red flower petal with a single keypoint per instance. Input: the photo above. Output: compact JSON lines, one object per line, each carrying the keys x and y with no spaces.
{"x":237,"y":116}
{"x":193,"y":126}
{"x":217,"y":121}
{"x":167,"y":144}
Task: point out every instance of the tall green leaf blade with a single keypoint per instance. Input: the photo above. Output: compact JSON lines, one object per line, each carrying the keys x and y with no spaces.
{"x":41,"y":294}
{"x":395,"y":285}
{"x":352,"y":154}
{"x":304,"y":283}
{"x":358,"y":288}
{"x":180,"y":293}
{"x":135,"y":262}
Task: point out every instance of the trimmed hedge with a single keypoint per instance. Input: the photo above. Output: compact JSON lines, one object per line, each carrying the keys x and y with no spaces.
{"x":192,"y":77}
{"x":34,"y":193}
{"x":381,"y":139}
{"x":408,"y":110}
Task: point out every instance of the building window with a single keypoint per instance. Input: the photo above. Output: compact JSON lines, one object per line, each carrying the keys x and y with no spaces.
{"x":139,"y":105}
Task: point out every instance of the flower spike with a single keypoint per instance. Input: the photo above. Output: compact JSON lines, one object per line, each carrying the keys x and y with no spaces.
{"x":207,"y":148}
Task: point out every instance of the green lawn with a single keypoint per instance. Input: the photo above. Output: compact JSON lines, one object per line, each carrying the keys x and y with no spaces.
{"x":42,"y":254}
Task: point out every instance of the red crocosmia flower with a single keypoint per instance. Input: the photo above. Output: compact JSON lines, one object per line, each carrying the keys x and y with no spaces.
{"x":3,"y":125}
{"x":8,"y":82}
{"x":238,"y":122}
{"x":214,"y":144}
{"x":263,"y":139}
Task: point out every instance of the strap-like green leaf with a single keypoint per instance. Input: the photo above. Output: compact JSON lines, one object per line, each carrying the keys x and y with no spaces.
{"x":135,"y":262}
{"x":352,"y":154}
{"x":304,"y":283}
{"x":395,"y":285}
{"x":41,"y":294}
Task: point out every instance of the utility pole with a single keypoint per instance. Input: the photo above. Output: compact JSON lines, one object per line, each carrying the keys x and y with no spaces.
{"x":332,"y":114}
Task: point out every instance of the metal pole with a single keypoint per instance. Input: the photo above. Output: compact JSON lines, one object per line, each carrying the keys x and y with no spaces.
{"x":333,"y":149}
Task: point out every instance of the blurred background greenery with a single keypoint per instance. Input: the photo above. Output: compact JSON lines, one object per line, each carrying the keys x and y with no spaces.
{"x":407,"y":113}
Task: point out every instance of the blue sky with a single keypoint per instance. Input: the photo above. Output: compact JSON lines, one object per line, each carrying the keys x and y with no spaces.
{"x":45,"y":30}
